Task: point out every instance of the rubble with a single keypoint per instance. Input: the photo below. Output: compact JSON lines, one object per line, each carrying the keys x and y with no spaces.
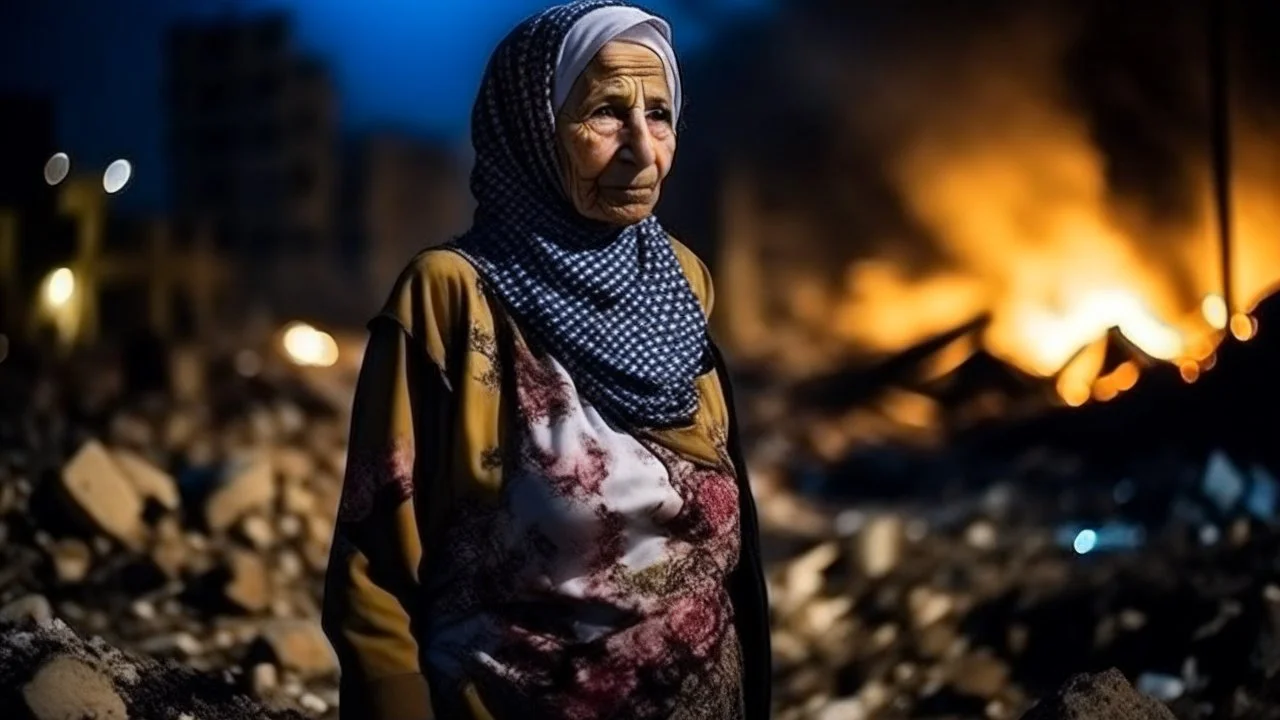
{"x":48,"y":672}
{"x":1102,"y":696}
{"x":961,"y":581}
{"x":192,"y":529}
{"x":97,"y":489}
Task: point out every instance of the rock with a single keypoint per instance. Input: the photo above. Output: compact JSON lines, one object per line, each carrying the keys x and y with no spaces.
{"x":264,"y":679}
{"x":980,"y":674}
{"x":99,"y":491}
{"x":249,"y":586}
{"x":879,"y":545}
{"x":65,"y":688}
{"x":928,"y":606}
{"x":294,"y":464}
{"x":313,"y":704}
{"x":169,"y":552}
{"x":936,"y":641}
{"x":257,"y":530}
{"x":299,"y":646}
{"x":1102,"y":696}
{"x":27,"y":609}
{"x":297,"y":499}
{"x":180,"y":643}
{"x":248,"y":489}
{"x":149,"y":481}
{"x":72,"y":559}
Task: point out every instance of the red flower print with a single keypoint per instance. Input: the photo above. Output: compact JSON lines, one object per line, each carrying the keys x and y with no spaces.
{"x":369,"y":473}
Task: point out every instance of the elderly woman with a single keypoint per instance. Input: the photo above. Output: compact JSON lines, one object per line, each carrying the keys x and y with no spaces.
{"x":545,"y":513}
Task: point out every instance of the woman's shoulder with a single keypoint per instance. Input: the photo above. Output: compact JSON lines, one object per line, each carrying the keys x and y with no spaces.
{"x":696,"y":272}
{"x":435,"y":289}
{"x":437,"y":265}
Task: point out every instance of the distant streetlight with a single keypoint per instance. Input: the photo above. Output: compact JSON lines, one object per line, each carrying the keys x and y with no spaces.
{"x":57,"y":168}
{"x":59,"y":287}
{"x":117,"y":176}
{"x":307,"y":346}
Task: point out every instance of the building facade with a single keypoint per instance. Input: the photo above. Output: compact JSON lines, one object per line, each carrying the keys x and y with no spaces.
{"x":253,"y":141}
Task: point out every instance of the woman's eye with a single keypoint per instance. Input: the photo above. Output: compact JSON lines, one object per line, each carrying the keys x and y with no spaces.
{"x":606,"y":111}
{"x":661,"y":115}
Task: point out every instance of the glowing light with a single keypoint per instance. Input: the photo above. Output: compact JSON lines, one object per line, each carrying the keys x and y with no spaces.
{"x":1214,"y":310}
{"x":1085,"y":542}
{"x":117,"y":175}
{"x":1074,"y":395}
{"x":57,"y":168}
{"x":1189,"y":370}
{"x":308,"y":346}
{"x":59,"y":287}
{"x":1243,"y":327}
{"x":1125,"y":376}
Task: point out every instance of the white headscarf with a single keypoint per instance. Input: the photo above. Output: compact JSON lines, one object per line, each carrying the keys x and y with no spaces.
{"x":599,"y":27}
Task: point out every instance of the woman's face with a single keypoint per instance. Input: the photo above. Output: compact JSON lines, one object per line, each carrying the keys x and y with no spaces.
{"x":615,"y":135}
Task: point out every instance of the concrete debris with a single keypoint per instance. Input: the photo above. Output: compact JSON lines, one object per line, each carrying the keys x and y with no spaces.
{"x":51,"y":672}
{"x":196,"y":529}
{"x":192,"y":529}
{"x":299,"y":646}
{"x":248,"y":488}
{"x":149,"y":481}
{"x":1102,"y":696}
{"x":66,"y":688}
{"x":98,"y":490}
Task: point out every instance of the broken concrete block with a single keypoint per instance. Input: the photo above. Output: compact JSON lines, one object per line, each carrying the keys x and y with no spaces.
{"x":27,"y":609}
{"x":151,"y":482}
{"x":245,"y":490}
{"x":1102,"y":696}
{"x":257,"y":530}
{"x":879,"y":545}
{"x":299,"y":646}
{"x":249,"y":586}
{"x":297,"y":499}
{"x":294,"y":464}
{"x":72,"y":559}
{"x":980,"y":674}
{"x":69,"y":689}
{"x":99,"y":491}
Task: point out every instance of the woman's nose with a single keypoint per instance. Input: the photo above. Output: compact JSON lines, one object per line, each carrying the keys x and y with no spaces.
{"x":638,"y":146}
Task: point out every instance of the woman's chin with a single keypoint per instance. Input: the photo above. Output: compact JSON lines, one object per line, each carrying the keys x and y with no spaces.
{"x":626,"y":211}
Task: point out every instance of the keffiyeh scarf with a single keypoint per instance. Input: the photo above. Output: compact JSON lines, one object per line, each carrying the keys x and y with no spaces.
{"x":611,"y":305}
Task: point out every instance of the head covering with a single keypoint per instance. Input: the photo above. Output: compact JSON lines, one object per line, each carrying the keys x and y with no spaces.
{"x":612,"y":305}
{"x":598,"y":27}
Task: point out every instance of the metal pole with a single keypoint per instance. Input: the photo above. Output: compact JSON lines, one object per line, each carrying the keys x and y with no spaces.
{"x":1220,"y":127}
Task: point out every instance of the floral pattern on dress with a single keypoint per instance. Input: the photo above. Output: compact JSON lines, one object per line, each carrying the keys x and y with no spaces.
{"x":595,"y":586}
{"x":371,"y":473}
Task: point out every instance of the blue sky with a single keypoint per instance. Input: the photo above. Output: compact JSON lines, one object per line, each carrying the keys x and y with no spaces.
{"x":413,"y":64}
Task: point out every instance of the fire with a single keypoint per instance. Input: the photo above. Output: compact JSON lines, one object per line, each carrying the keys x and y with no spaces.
{"x":994,"y":166}
{"x":1007,"y":181}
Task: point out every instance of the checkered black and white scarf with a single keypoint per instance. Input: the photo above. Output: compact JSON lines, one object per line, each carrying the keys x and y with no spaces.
{"x":612,"y":306}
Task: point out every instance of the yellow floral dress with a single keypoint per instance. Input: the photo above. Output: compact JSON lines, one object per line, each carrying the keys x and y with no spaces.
{"x":501,"y":543}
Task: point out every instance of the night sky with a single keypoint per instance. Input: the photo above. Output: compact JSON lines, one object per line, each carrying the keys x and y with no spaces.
{"x":410,"y":64}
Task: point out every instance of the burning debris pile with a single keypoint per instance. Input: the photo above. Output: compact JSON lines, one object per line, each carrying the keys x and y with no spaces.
{"x":177,"y":525}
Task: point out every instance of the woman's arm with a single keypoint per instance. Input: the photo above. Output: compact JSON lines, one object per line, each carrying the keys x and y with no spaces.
{"x":373,"y":568}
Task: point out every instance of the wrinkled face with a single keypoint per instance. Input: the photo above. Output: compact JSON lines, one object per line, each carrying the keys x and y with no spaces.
{"x":616,"y":135}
